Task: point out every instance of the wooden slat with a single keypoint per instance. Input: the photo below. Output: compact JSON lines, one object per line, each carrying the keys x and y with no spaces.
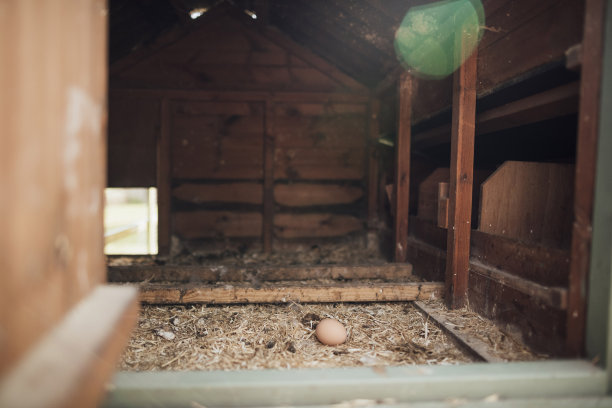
{"x":268,"y":182}
{"x":402,"y":168}
{"x":248,"y":193}
{"x":373,"y":122}
{"x":291,"y":292}
{"x":164,"y":194}
{"x":428,"y":194}
{"x":71,"y":365}
{"x":217,"y":224}
{"x":227,"y":273}
{"x":443,"y":205}
{"x":315,"y":225}
{"x":306,"y":194}
{"x":530,"y":202}
{"x":586,"y":154}
{"x":474,"y":345}
{"x":461,"y":180}
{"x":319,"y":164}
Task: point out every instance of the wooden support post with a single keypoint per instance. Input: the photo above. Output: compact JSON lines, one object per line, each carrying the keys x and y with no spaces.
{"x":373,"y":111}
{"x":268,"y":182}
{"x":461,"y":180}
{"x":163,"y":181}
{"x":586,"y":153}
{"x":402,"y":168}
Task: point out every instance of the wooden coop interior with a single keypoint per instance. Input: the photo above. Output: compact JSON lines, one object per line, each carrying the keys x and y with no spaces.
{"x":279,"y":127}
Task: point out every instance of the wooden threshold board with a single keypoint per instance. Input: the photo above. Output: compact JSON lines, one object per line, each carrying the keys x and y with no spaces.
{"x":283,"y":292}
{"x":475,"y":346}
{"x":216,"y":273}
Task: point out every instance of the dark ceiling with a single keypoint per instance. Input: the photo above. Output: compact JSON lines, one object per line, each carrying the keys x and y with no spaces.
{"x":354,"y":35}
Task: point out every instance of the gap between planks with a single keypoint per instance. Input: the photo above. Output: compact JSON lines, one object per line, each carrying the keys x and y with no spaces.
{"x":299,"y":292}
{"x":475,"y":346}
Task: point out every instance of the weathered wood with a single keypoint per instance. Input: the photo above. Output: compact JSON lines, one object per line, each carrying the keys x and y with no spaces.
{"x":586,"y":154}
{"x":402,"y":168}
{"x":228,"y":273}
{"x":428,"y":262}
{"x":461,"y":179}
{"x":268,"y":181}
{"x":530,"y":202}
{"x":306,"y":194}
{"x":315,"y":225}
{"x":374,"y":110}
{"x":52,"y":165}
{"x":573,"y":57}
{"x":428,"y":232}
{"x":319,"y":164}
{"x":290,"y":292}
{"x":559,"y":101}
{"x":473,"y":345}
{"x":80,"y":352}
{"x":164,"y":182}
{"x":546,"y":266}
{"x":248,"y":193}
{"x":443,"y":205}
{"x":217,"y":224}
{"x":428,"y":194}
{"x":555,"y":297}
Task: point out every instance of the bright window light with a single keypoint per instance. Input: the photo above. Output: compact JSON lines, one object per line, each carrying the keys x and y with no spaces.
{"x":130,"y":221}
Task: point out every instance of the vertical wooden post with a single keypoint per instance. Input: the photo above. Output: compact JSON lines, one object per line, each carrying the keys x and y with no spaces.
{"x":586,"y":153}
{"x":268,"y":181}
{"x":402,"y":168}
{"x":163,"y":181}
{"x":461,"y":180}
{"x":373,"y":128}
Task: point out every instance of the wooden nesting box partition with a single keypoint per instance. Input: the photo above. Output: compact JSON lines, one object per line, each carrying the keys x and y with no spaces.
{"x":258,"y":139}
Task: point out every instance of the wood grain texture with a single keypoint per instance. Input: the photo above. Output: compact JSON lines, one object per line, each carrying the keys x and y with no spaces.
{"x":228,"y":273}
{"x":268,"y":181}
{"x":217,"y":224}
{"x":315,"y":225}
{"x":306,"y":194}
{"x":529,"y":202}
{"x":198,"y":193}
{"x":290,"y":292}
{"x":81,"y":353}
{"x":52,"y":165}
{"x":164,"y":179}
{"x":428,"y":194}
{"x":473,"y":345}
{"x":373,"y":190}
{"x":461,"y":180}
{"x":586,"y":154}
{"x":402,"y":168}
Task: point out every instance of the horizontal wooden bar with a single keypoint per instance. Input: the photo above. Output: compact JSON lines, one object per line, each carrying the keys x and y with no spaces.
{"x":572,"y":379}
{"x":222,"y":95}
{"x":290,"y":292}
{"x":559,"y":101}
{"x":551,"y":296}
{"x":71,"y":365}
{"x":226,"y":273}
{"x":474,"y":345}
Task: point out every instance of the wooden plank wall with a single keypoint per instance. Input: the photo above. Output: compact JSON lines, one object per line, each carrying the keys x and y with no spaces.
{"x":520,"y":36}
{"x":250,"y":160}
{"x":52,"y":164}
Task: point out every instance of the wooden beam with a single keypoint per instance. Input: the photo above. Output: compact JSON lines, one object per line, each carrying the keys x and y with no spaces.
{"x":224,"y":273}
{"x":402,"y":168}
{"x":373,"y":122}
{"x":290,"y":292}
{"x":461,"y":180}
{"x":268,"y":183}
{"x":584,"y":191}
{"x":164,"y":169}
{"x":473,"y":345}
{"x":71,"y":365}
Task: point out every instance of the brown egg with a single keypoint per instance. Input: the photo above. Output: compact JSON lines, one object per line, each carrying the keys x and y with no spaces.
{"x":330,"y":332}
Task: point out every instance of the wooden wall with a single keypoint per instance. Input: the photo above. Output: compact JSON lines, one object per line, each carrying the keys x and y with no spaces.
{"x":52,"y":160}
{"x":520,"y":36}
{"x":255,"y":125}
